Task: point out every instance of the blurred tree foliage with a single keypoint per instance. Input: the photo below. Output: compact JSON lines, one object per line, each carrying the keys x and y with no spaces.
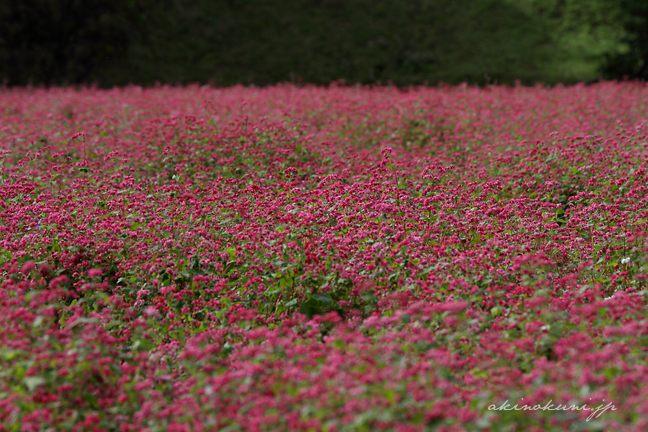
{"x":225,"y":42}
{"x":62,"y":41}
{"x":632,"y":62}
{"x":584,"y":34}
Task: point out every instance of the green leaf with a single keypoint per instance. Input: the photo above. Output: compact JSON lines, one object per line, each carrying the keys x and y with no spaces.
{"x":83,"y":321}
{"x":142,"y":345}
{"x":10,"y":355}
{"x":231,"y":252}
{"x":324,"y":298}
{"x":317,"y":304}
{"x":38,"y":321}
{"x":370,"y":298}
{"x":91,"y":399}
{"x":292,"y":302}
{"x":32,"y":382}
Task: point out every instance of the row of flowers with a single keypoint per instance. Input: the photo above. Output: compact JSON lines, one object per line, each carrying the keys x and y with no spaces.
{"x":323,"y":258}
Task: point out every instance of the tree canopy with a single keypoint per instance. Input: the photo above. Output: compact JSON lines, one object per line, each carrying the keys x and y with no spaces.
{"x":226,"y":42}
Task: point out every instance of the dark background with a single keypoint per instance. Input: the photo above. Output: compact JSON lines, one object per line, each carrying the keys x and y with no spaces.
{"x":226,"y":42}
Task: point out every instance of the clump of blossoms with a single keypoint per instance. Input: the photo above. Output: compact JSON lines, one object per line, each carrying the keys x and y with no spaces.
{"x":336,"y":259}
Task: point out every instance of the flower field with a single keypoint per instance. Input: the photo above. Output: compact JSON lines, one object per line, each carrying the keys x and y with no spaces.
{"x":324,"y":259}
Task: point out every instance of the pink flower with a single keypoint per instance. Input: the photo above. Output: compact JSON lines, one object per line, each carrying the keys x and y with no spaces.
{"x":28,"y":266}
{"x":152,"y":312}
{"x":95,"y":272}
{"x":44,"y":269}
